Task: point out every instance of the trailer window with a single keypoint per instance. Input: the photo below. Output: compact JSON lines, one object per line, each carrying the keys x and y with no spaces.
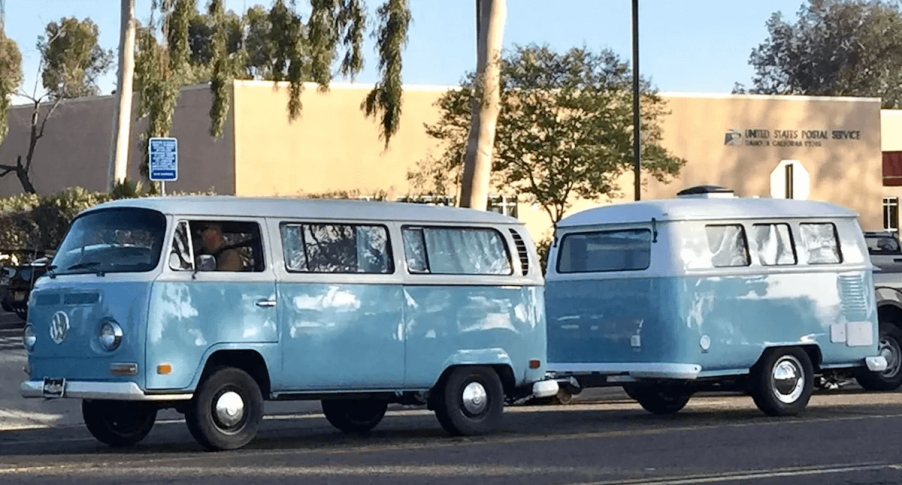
{"x":728,"y":245}
{"x":773,"y":244}
{"x":602,"y":251}
{"x":822,"y":243}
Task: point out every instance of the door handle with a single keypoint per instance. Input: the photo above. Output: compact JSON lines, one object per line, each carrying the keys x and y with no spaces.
{"x":266,"y":303}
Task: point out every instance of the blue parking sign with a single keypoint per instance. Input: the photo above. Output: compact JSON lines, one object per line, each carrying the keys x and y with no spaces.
{"x":164,"y":159}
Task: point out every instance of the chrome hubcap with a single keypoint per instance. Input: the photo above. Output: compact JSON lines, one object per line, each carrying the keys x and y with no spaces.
{"x":475,"y":398}
{"x":788,"y":379}
{"x":890,"y":351}
{"x":229,"y":409}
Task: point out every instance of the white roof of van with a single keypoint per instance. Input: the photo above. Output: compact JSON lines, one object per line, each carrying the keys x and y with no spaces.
{"x":700,"y":208}
{"x":296,"y":208}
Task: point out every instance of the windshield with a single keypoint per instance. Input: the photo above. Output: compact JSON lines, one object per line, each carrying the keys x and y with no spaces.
{"x":112,"y":241}
{"x":882,"y":244}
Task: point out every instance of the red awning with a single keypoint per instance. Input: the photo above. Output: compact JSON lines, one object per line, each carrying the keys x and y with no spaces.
{"x":892,"y":169}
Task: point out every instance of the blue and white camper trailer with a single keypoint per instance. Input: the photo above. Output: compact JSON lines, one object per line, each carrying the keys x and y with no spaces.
{"x":710,"y":291}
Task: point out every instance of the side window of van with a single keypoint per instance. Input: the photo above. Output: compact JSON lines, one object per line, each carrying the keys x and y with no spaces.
{"x":336,"y":248}
{"x":822,"y":243}
{"x":236,"y":246}
{"x":595,"y":252}
{"x":456,"y":251}
{"x":728,"y":245}
{"x":180,"y":258}
{"x":773,"y":244}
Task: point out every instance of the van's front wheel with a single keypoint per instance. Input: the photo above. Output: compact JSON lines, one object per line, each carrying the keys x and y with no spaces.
{"x":470,"y":402}
{"x":226,"y":410}
{"x":354,"y":416}
{"x":118,"y":423}
{"x":783,"y":382}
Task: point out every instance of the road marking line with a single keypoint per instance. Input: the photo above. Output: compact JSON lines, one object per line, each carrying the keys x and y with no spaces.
{"x":748,"y":475}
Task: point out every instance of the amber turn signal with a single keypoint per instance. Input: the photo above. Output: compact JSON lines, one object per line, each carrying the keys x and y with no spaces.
{"x":164,"y":369}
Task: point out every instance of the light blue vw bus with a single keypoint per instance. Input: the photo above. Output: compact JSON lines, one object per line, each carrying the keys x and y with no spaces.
{"x":710,"y":291}
{"x":211,"y":305}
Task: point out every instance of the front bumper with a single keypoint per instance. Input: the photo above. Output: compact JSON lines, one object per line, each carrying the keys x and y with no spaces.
{"x":875,"y":363}
{"x":113,"y":391}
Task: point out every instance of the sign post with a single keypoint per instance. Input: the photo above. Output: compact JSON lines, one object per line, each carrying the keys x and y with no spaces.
{"x":163,"y":160}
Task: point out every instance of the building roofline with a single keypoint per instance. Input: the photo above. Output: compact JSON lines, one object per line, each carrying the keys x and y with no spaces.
{"x":778,"y":97}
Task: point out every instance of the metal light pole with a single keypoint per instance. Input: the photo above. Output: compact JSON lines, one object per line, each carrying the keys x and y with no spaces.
{"x":636,"y":145}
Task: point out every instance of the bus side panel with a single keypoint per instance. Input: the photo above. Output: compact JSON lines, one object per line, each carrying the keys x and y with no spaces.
{"x":452,"y":325}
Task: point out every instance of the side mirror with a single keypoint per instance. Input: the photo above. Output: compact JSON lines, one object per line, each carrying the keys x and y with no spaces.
{"x":206,"y":262}
{"x":41,"y":262}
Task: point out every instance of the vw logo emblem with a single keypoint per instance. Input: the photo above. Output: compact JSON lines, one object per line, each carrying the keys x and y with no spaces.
{"x":59,"y":327}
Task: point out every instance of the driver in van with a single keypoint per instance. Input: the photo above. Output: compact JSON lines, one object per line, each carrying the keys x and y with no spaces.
{"x":213,"y":242}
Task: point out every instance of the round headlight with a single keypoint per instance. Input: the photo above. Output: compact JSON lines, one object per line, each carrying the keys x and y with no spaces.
{"x":29,"y":336}
{"x":110,"y":335}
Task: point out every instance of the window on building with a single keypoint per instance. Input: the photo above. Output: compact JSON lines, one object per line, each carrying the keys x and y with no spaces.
{"x":822,"y":243}
{"x":456,"y":251}
{"x":728,"y":245}
{"x":891,"y":213}
{"x":336,"y":248}
{"x":504,"y":204}
{"x":595,"y":252}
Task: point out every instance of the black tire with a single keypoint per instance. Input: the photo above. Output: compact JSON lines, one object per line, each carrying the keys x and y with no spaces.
{"x":659,"y":400}
{"x":891,"y":348}
{"x":486,"y":409}
{"x":118,"y":423}
{"x":215,"y":431}
{"x":354,"y":416}
{"x":794,"y":392}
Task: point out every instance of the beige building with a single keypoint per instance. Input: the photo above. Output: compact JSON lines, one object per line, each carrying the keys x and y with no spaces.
{"x":828,"y":149}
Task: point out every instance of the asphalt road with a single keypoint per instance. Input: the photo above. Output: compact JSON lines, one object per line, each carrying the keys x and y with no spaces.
{"x":847,"y":438}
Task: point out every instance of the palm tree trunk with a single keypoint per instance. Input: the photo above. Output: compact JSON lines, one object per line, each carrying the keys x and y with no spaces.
{"x":122,"y":114}
{"x":486,"y":105}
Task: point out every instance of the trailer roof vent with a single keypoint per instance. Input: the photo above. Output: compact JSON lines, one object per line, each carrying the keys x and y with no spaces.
{"x":706,"y":192}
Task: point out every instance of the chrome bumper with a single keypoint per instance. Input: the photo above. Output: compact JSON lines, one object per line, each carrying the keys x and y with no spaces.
{"x":638,"y":371}
{"x":114,"y":391}
{"x":876,"y":363}
{"x":544,"y":389}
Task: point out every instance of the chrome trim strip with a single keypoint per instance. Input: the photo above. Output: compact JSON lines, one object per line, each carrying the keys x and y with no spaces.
{"x":544,"y":389}
{"x":876,"y":363}
{"x":656,"y":370}
{"x":116,"y":391}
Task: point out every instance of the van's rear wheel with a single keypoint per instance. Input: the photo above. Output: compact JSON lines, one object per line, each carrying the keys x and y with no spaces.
{"x":226,"y":410}
{"x":783,"y":382}
{"x":354,"y":416}
{"x":659,"y":400}
{"x":470,"y":402}
{"x":118,"y":423}
{"x":890,"y":348}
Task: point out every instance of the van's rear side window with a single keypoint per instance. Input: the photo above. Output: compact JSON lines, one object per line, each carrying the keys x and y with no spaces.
{"x":595,"y":252}
{"x":456,"y":251}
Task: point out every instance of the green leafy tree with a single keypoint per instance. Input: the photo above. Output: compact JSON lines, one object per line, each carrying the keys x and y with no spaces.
{"x":565,"y":129}
{"x":71,"y":62}
{"x":10,"y":79}
{"x":835,"y":48}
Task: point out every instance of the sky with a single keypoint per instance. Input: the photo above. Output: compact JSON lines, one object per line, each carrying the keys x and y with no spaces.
{"x":697,"y":46}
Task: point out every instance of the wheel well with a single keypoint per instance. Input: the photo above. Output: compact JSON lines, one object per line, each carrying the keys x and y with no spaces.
{"x":813,"y":351}
{"x":890,"y":314}
{"x":249,"y":361}
{"x":504,"y":371}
